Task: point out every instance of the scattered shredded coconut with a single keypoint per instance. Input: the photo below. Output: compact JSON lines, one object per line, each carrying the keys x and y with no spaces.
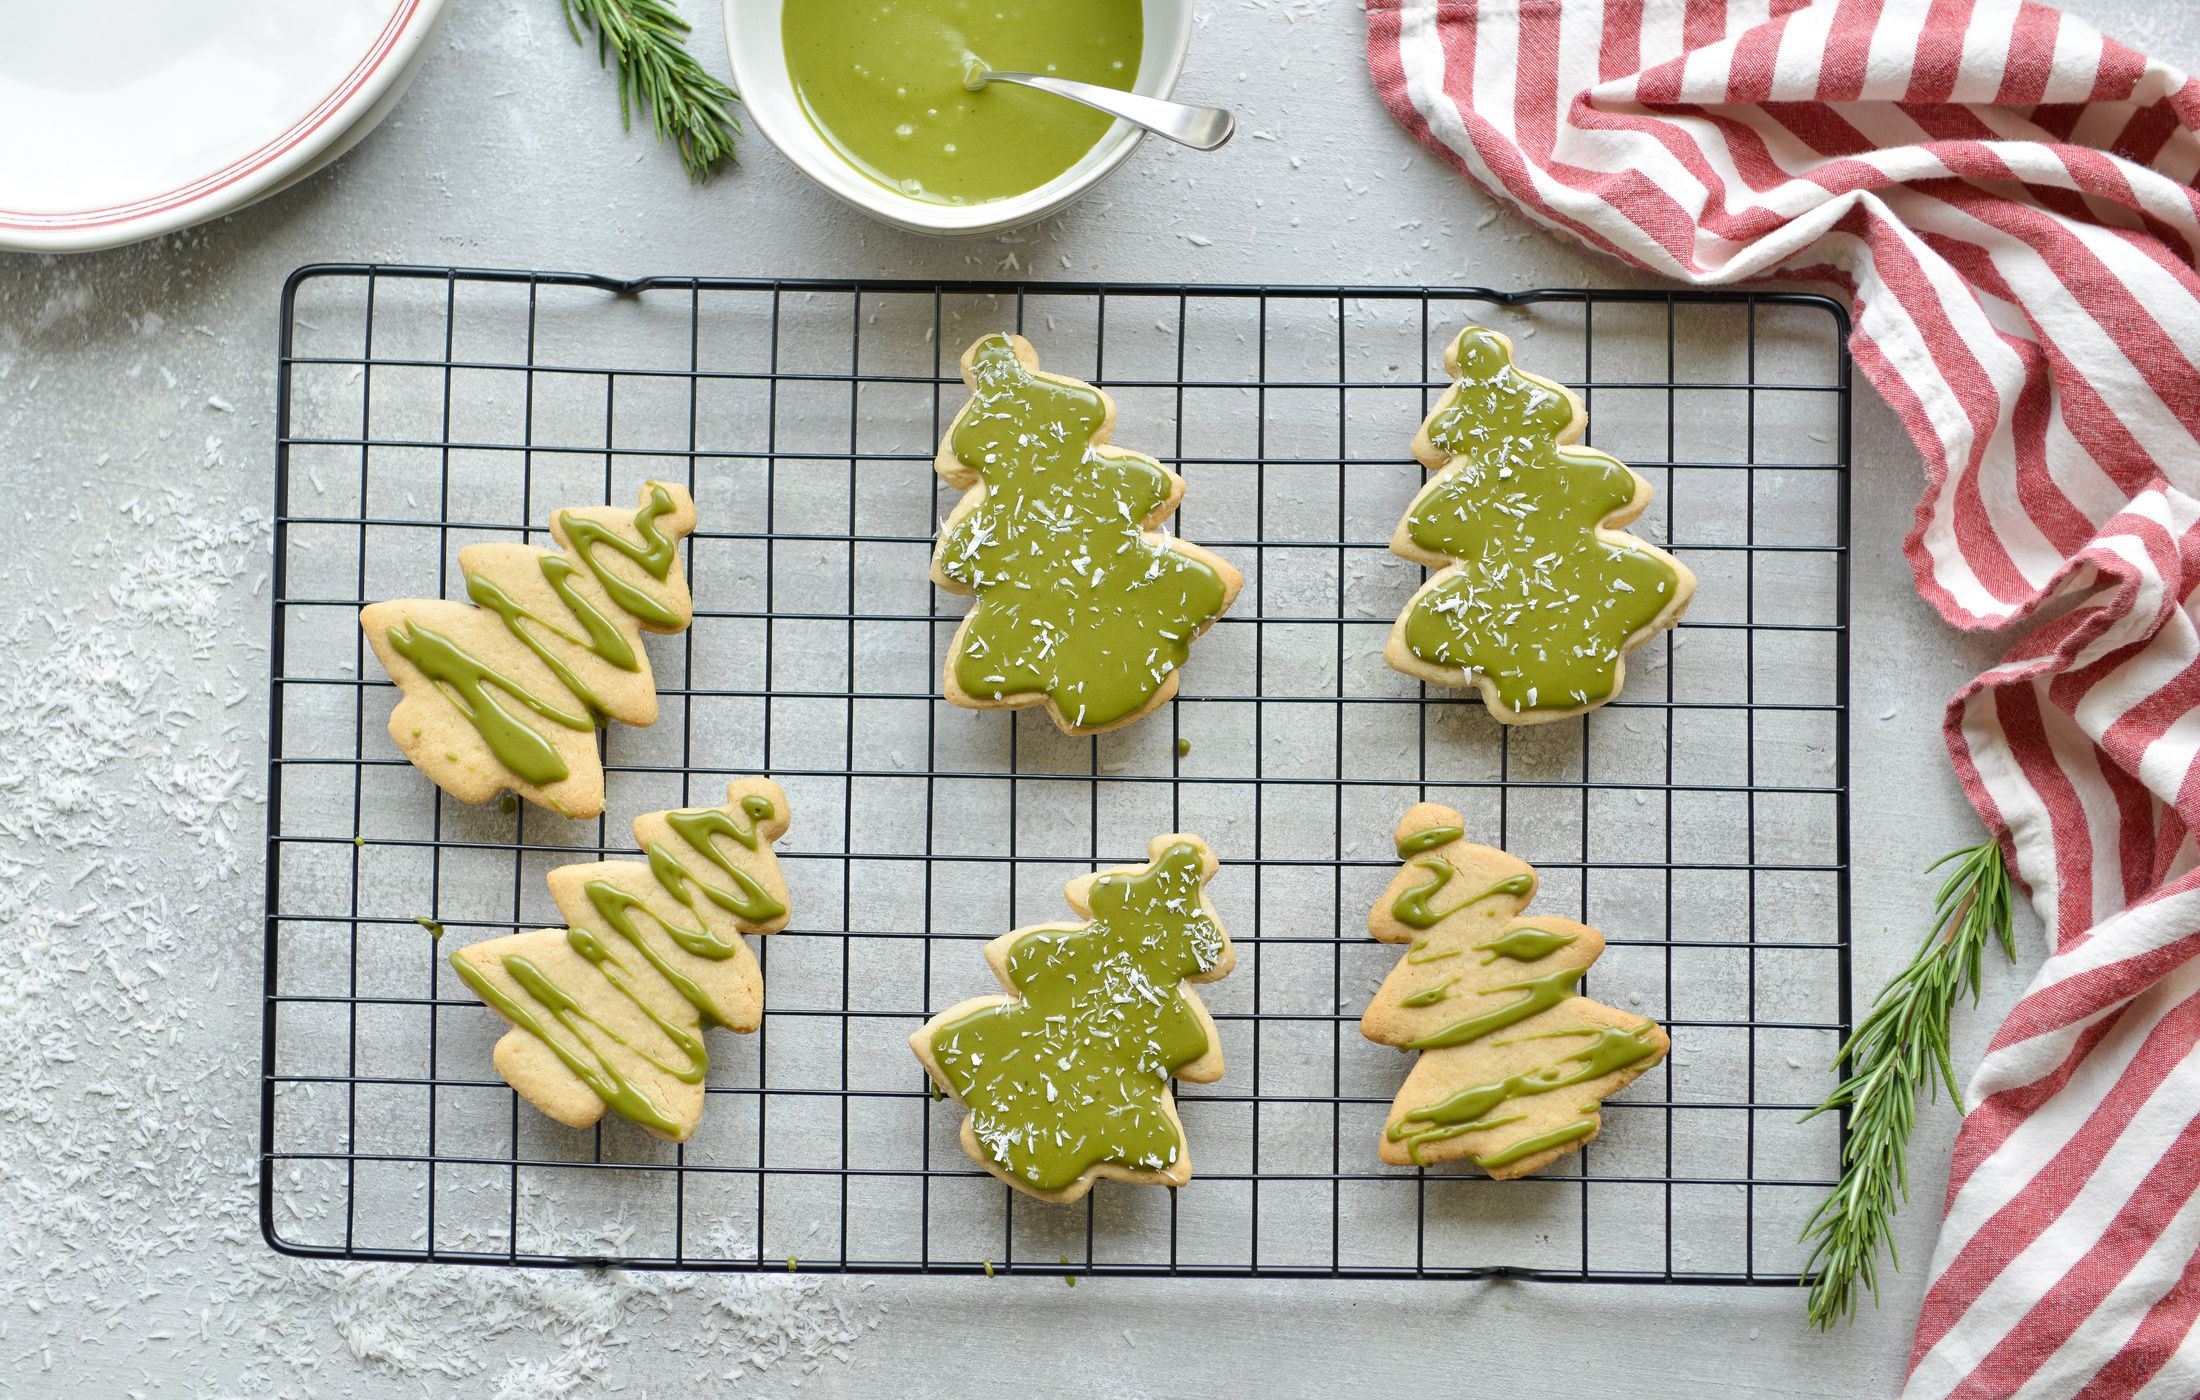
{"x":130,"y":797}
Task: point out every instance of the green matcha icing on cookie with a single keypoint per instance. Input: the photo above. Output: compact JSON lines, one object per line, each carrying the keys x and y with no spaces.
{"x":644,"y":937}
{"x":1533,"y":596}
{"x":1498,"y":1019}
{"x":1073,"y":1072}
{"x":548,"y":653}
{"x":1078,"y":604}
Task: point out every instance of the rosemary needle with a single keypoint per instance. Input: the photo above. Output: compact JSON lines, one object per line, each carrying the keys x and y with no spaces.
{"x":686,"y":104}
{"x":1899,"y":1050}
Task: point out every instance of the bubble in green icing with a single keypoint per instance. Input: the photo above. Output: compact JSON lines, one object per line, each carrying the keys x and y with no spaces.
{"x":1537,"y":602}
{"x":1429,"y":995}
{"x":1428,"y":839}
{"x":1524,"y":945}
{"x":1076,"y":1072}
{"x":1074,"y":602}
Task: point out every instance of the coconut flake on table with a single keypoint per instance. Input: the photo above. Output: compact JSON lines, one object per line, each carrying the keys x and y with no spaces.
{"x":131,"y":991}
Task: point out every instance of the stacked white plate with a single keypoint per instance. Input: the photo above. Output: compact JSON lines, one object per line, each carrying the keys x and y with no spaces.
{"x":130,"y":118}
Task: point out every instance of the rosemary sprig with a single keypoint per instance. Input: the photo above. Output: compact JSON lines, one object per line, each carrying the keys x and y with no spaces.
{"x":686,"y":103}
{"x":1893,"y":1055}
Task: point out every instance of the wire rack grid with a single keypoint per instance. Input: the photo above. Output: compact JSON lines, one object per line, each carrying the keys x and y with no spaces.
{"x":1700,"y":820}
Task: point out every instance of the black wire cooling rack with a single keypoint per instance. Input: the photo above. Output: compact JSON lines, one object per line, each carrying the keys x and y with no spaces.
{"x":1700,"y":820}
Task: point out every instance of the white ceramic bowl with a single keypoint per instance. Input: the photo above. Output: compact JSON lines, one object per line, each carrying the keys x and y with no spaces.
{"x":153,"y":115}
{"x":760,"y":72}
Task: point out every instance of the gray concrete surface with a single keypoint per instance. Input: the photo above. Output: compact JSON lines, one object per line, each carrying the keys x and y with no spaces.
{"x":136,"y":403}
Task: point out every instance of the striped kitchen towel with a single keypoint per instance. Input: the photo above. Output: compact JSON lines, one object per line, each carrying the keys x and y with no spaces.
{"x":2007,"y":197}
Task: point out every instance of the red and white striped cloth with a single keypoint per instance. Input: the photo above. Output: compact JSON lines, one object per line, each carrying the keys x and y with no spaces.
{"x":2008,"y":199}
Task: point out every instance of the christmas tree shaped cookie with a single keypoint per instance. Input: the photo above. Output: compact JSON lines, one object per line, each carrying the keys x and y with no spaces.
{"x":1067,"y":1079}
{"x":508,"y":691}
{"x":1514,"y":1067}
{"x":610,"y":1011}
{"x":1538,"y":597}
{"x":1083,"y":605}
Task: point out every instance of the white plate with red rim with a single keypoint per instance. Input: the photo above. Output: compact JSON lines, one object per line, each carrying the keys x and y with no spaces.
{"x":132,"y":118}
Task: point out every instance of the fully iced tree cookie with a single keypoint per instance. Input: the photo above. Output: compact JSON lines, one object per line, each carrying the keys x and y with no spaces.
{"x":1514,"y":1066}
{"x":1083,"y":604}
{"x":1538,"y":597}
{"x":609,"y":1012}
{"x":1067,"y":1078}
{"x":507,"y":691}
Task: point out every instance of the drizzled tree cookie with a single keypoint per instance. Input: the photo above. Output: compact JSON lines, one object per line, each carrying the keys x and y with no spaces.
{"x":1538,"y":597}
{"x":1083,"y":604}
{"x":507,"y":691}
{"x":1514,"y":1067}
{"x":609,"y":1012}
{"x":1066,"y":1079}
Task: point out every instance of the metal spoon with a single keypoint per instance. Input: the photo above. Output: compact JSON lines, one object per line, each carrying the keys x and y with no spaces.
{"x":1201,"y":128}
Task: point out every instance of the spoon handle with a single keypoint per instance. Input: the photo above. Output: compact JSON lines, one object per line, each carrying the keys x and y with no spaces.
{"x":1202,"y":128}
